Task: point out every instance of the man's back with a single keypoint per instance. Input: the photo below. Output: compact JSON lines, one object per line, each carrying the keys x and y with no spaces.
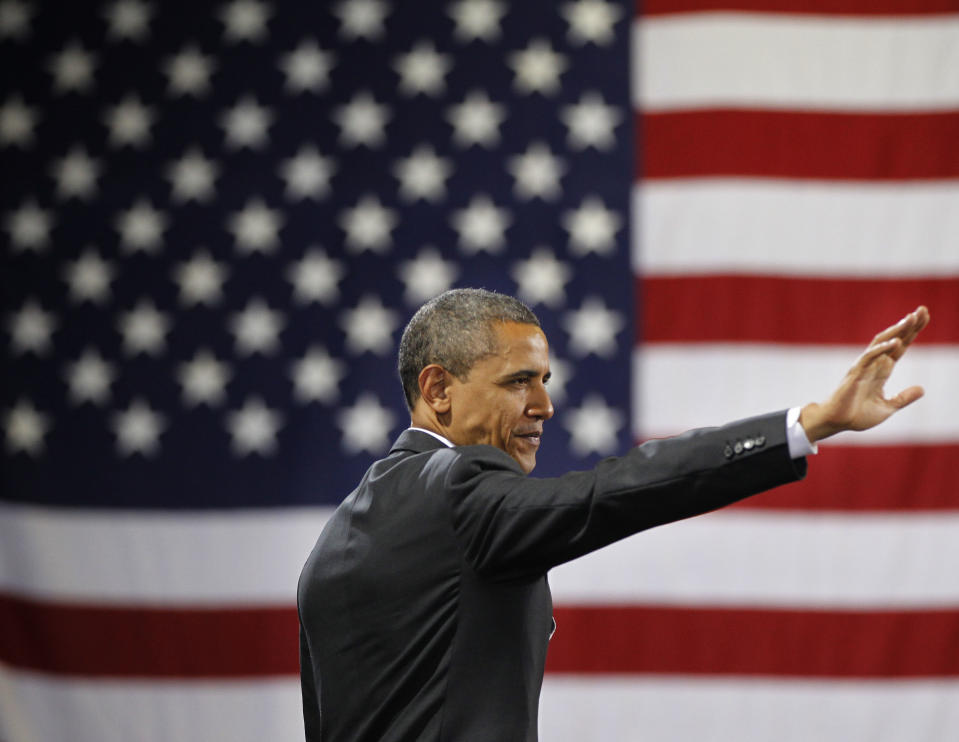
{"x":406,"y":640}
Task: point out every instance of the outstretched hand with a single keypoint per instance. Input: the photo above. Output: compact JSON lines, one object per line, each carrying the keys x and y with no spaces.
{"x":860,"y":402}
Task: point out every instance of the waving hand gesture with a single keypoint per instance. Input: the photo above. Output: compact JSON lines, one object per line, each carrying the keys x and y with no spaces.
{"x":860,"y":402}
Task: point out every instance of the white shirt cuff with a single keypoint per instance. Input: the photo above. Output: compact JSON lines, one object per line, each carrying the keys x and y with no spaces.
{"x":796,"y":439}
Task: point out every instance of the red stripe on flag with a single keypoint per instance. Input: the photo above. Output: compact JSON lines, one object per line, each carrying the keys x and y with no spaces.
{"x":871,"y":478}
{"x":782,"y":309}
{"x":99,"y":641}
{"x":800,"y":7}
{"x":743,"y":641}
{"x":792,"y":144}
{"x":111,"y":641}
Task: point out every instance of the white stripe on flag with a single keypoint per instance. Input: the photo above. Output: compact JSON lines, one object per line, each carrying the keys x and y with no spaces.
{"x":150,"y":557}
{"x":821,"y":559}
{"x":844,"y":230}
{"x":37,"y":708}
{"x":731,"y":558}
{"x":702,"y":60}
{"x":682,"y":386}
{"x":662,"y":709}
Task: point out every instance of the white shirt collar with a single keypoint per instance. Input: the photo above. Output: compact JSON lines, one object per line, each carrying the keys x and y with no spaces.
{"x":438,"y":437}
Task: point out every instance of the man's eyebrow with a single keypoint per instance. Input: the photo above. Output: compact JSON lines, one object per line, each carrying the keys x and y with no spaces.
{"x":523,"y":373}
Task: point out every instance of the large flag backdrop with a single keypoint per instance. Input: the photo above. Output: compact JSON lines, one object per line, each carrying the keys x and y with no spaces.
{"x":215,"y":219}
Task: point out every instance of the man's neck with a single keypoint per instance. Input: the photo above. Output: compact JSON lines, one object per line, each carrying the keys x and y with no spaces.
{"x":438,"y":437}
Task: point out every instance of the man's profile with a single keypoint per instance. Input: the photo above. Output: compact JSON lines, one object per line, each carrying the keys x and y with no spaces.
{"x":425,"y":612}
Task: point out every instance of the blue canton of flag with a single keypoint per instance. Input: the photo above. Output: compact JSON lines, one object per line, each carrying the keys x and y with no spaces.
{"x":217,"y":218}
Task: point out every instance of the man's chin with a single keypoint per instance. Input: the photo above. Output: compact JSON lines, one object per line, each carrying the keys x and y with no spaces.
{"x":527,"y":462}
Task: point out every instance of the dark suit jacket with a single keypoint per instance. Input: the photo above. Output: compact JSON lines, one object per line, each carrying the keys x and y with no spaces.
{"x":424,"y":608}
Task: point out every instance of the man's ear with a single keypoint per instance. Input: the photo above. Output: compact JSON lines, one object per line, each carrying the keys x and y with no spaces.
{"x":434,"y":381}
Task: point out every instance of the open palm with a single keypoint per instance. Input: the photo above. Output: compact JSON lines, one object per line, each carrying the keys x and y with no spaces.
{"x":860,"y":403}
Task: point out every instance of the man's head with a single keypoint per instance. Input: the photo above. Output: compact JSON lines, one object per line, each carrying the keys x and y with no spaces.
{"x":474,"y":365}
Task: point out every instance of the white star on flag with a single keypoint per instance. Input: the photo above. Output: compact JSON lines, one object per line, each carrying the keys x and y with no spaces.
{"x":88,"y":277}
{"x":31,"y":328}
{"x":144,"y":329}
{"x":366,"y":425}
{"x":426,"y":276}
{"x":192,"y":177}
{"x":89,"y":378}
{"x":128,"y":19}
{"x":307,"y":68}
{"x":362,"y":19}
{"x":537,"y":173}
{"x":592,"y":227}
{"x":189,"y":72}
{"x":592,"y":328}
{"x":481,"y":225}
{"x":246,"y":124}
{"x":245,"y":20}
{"x":129,"y":123}
{"x":591,"y":21}
{"x":204,"y":379}
{"x":316,"y":376}
{"x":72,"y":69}
{"x":422,"y":70}
{"x":257,"y":328}
{"x":25,"y":428}
{"x":423,"y":174}
{"x":17,"y":121}
{"x":138,"y":429}
{"x":141,"y":227}
{"x":362,"y":121}
{"x":15,"y":19}
{"x":476,"y":120}
{"x":200,"y":279}
{"x":542,"y":279}
{"x":29,"y":227}
{"x":256,"y":227}
{"x":368,"y":226}
{"x":591,"y":122}
{"x":538,"y":68}
{"x":477,"y":19}
{"x":254,"y":428}
{"x":369,"y":327}
{"x":316,"y":277}
{"x":593,"y":426}
{"x":76,"y":174}
{"x":307,"y":174}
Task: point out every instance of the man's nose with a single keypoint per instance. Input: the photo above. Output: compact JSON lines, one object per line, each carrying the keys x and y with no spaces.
{"x":541,"y":406}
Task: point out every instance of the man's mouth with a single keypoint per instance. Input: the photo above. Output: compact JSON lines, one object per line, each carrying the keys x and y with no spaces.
{"x":532,"y":437}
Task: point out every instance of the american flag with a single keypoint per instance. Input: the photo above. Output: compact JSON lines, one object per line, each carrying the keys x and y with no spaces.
{"x":217,"y":217}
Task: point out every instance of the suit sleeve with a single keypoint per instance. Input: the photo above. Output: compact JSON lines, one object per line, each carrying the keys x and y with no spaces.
{"x":512,"y":526}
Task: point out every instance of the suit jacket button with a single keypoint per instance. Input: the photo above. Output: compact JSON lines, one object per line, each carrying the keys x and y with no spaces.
{"x":761,"y":440}
{"x":738,"y":448}
{"x":748,"y":444}
{"x":728,"y":452}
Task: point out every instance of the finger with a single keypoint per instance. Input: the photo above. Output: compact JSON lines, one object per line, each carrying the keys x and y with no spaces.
{"x":921,"y":319}
{"x":907,"y":397}
{"x":876,"y":350}
{"x":901,"y":329}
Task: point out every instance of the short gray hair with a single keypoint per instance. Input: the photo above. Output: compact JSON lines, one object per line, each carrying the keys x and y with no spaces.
{"x":455,"y":330}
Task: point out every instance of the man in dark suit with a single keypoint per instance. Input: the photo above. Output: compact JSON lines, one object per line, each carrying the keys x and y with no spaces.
{"x":425,"y":612}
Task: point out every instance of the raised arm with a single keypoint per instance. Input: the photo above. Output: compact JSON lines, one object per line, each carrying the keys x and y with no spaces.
{"x":859,"y":403}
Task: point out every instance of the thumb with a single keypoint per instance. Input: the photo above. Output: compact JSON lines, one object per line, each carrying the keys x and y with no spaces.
{"x":907,"y":397}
